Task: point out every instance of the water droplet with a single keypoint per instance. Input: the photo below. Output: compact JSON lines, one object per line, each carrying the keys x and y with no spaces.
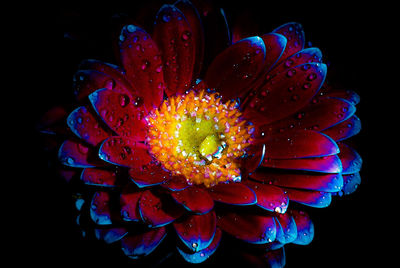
{"x":166,"y":18}
{"x":289,"y":63}
{"x":131,"y":28}
{"x":186,"y":35}
{"x":312,"y":76}
{"x":159,"y":69}
{"x":195,"y":245}
{"x":306,"y":86}
{"x":123,"y":100}
{"x":295,"y":97}
{"x":291,"y":73}
{"x":145,"y":65}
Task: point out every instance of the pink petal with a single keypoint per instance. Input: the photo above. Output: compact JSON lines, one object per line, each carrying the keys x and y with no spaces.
{"x":287,"y":92}
{"x":99,"y":177}
{"x":138,"y":245}
{"x":295,"y":35}
{"x":173,"y":35}
{"x":310,"y":198}
{"x":196,"y":231}
{"x":124,"y":152}
{"x":233,"y":193}
{"x":123,"y":113}
{"x":149,"y":175}
{"x":194,"y":199}
{"x":326,"y":164}
{"x":269,"y":197}
{"x":142,"y":62}
{"x":235,"y":69}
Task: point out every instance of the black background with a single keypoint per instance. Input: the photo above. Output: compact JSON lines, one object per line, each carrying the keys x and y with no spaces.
{"x":347,"y":233}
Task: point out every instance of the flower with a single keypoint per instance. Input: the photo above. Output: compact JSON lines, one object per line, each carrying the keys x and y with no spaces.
{"x":167,"y":149}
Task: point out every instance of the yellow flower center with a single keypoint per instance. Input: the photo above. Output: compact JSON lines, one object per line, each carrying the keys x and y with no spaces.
{"x":199,"y":137}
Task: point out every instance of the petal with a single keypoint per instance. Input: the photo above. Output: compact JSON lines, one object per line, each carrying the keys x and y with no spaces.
{"x":76,"y":154}
{"x":348,"y":95}
{"x":129,"y":202}
{"x":309,"y":198}
{"x":326,"y":164}
{"x":123,"y":113}
{"x":124,"y":152}
{"x":274,"y":46}
{"x":269,"y":197}
{"x":194,"y":199}
{"x":99,"y":177}
{"x":234,"y":70}
{"x":85,"y":125}
{"x":158,"y":209}
{"x":149,"y":175}
{"x":142,"y":244}
{"x":255,"y":156}
{"x":100,"y":210}
{"x":173,"y":35}
{"x":177,"y":183}
{"x":318,"y":115}
{"x":307,"y":181}
{"x":345,"y":129}
{"x":351,"y":183}
{"x":298,"y":144}
{"x":288,"y":225}
{"x":252,"y":228}
{"x":193,"y":18}
{"x":202,"y":255}
{"x":351,"y":160}
{"x":286,"y":93}
{"x":111,"y":235}
{"x":196,"y":231}
{"x":233,"y":193}
{"x":305,"y":227}
{"x":142,"y":62}
{"x":87,"y":81}
{"x":294,"y":33}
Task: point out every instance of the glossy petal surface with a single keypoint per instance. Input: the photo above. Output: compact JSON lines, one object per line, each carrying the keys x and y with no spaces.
{"x":234,"y":70}
{"x":310,"y":198}
{"x":173,"y":36}
{"x":274,"y":46}
{"x":142,"y":62}
{"x":196,"y":231}
{"x":99,"y":177}
{"x":129,"y":202}
{"x":123,"y":113}
{"x":351,"y":160}
{"x":124,"y":152}
{"x":111,"y":235}
{"x":326,"y":164}
{"x":269,"y":197}
{"x":149,"y":175}
{"x":233,"y":193}
{"x":294,"y":33}
{"x":100,"y":211}
{"x":351,"y":183}
{"x":76,"y":154}
{"x":194,"y":199}
{"x":288,"y":226}
{"x":305,"y":227}
{"x":142,"y":244}
{"x":177,"y":183}
{"x":345,"y":129}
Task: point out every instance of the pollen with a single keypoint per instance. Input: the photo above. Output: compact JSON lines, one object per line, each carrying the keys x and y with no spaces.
{"x":199,"y":137}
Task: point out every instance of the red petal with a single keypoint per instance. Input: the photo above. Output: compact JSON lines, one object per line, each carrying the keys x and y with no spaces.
{"x":142,"y":62}
{"x":177,"y":183}
{"x":305,"y":227}
{"x":295,"y":35}
{"x":286,"y":93}
{"x":310,"y":198}
{"x":158,"y":209}
{"x":194,"y":199}
{"x":269,"y":197}
{"x":307,"y":181}
{"x":86,"y":126}
{"x":322,"y":114}
{"x":274,"y":46}
{"x":149,"y":175}
{"x":345,"y":129}
{"x":348,"y":95}
{"x":76,"y":154}
{"x":351,"y":160}
{"x":100,"y":210}
{"x":298,"y":144}
{"x":326,"y":164}
{"x":99,"y":177}
{"x":288,"y":225}
{"x":252,"y":228}
{"x":129,"y":202}
{"x":124,"y":152}
{"x":233,"y":193}
{"x":196,"y":231}
{"x":121,"y":112}
{"x":173,"y":35}
{"x":236,"y":68}
{"x":142,"y":244}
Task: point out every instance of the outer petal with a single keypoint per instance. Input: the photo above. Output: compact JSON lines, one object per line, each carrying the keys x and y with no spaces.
{"x":233,"y":193}
{"x":86,"y":126}
{"x":351,"y":183}
{"x":305,"y":227}
{"x":276,"y":258}
{"x":294,"y":33}
{"x":351,"y":160}
{"x":111,"y":235}
{"x":307,"y":181}
{"x":197,"y":231}
{"x":202,"y":255}
{"x":76,"y":154}
{"x":129,"y":202}
{"x":194,"y":199}
{"x":348,"y":95}
{"x":99,"y":177}
{"x":298,"y":144}
{"x":236,"y":68}
{"x":286,"y":93}
{"x":310,"y":198}
{"x":123,"y":113}
{"x":289,"y":228}
{"x":100,"y":211}
{"x":252,"y":228}
{"x":173,"y":35}
{"x":177,"y":183}
{"x":158,"y":209}
{"x":326,"y":164}
{"x":142,"y":62}
{"x":139,"y":245}
{"x":124,"y":152}
{"x":149,"y":175}
{"x":345,"y":129}
{"x":269,"y":197}
{"x":274,"y":46}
